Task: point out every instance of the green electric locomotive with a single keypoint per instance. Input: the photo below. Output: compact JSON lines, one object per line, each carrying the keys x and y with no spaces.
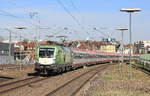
{"x":52,"y":58}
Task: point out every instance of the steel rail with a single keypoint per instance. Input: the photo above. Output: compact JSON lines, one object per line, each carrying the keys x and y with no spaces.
{"x":19,"y":83}
{"x":76,"y":91}
{"x":55,"y":91}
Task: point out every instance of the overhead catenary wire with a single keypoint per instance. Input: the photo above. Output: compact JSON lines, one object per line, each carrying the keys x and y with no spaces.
{"x":16,"y":34}
{"x":32,"y":15}
{"x":59,"y":1}
{"x":77,"y":10}
{"x":73,"y":17}
{"x":14,"y":16}
{"x":19,"y":18}
{"x":68,"y":11}
{"x":8,"y":14}
{"x":64,"y":7}
{"x":74,"y":6}
{"x":101,"y":32}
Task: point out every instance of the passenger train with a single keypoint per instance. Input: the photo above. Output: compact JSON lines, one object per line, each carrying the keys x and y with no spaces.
{"x":56,"y":59}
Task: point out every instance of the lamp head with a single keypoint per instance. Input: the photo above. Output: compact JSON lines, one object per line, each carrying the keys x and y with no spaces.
{"x":130,"y":9}
{"x":122,"y":29}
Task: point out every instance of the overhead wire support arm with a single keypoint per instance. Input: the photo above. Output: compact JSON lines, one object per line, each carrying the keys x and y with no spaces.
{"x":101,"y":32}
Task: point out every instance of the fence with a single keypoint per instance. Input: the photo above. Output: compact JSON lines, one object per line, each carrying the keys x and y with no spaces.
{"x":4,"y":59}
{"x":16,"y":61}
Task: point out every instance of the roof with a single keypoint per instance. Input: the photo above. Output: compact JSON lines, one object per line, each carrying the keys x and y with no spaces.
{"x":32,"y":44}
{"x":4,"y":46}
{"x":27,"y":44}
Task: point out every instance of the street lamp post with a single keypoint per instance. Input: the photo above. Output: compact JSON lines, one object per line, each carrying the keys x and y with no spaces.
{"x":9,"y":55}
{"x":130,"y":11}
{"x":122,"y":46}
{"x":20,"y":28}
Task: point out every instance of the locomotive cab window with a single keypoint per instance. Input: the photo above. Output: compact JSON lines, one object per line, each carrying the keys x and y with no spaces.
{"x":46,"y":52}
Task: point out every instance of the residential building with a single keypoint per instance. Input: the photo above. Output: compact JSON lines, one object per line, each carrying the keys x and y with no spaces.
{"x":108,"y":48}
{"x":142,"y":47}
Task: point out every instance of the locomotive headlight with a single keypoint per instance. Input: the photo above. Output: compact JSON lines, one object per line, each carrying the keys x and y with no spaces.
{"x":46,"y":61}
{"x":52,"y":61}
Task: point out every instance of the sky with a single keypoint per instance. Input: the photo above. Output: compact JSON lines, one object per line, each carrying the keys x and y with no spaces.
{"x":76,"y":19}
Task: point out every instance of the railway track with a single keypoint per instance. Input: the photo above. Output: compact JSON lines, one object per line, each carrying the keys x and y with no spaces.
{"x":7,"y":87}
{"x":8,"y":66}
{"x":72,"y":87}
{"x":141,"y":69}
{"x":13,"y":66}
